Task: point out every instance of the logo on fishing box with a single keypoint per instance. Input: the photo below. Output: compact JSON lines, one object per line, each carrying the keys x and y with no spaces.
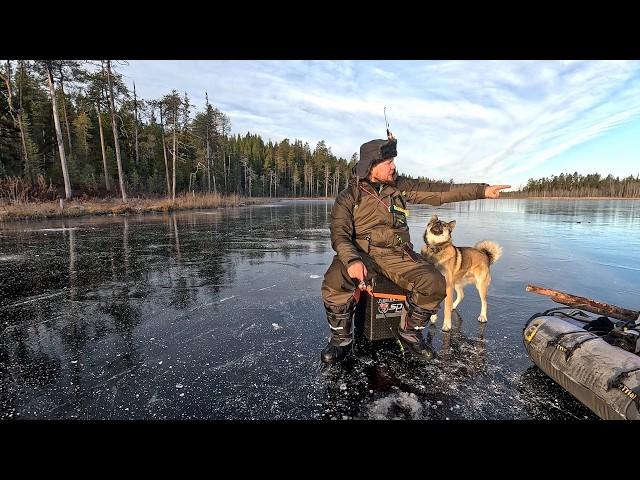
{"x":387,"y":305}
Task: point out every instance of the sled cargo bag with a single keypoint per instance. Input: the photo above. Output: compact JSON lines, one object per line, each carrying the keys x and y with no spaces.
{"x":383,"y":309}
{"x":604,"y":377}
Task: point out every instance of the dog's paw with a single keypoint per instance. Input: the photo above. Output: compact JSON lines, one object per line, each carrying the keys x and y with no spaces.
{"x":482,"y":318}
{"x":434,"y":318}
{"x":446,"y":328}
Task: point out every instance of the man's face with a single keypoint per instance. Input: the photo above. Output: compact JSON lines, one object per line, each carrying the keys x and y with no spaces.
{"x":383,"y":172}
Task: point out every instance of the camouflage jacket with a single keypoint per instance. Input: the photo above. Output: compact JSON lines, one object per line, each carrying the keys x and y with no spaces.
{"x":364,"y":216}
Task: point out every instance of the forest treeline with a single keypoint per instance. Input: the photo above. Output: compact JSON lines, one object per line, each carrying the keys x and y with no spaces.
{"x":578,"y":185}
{"x":71,"y":129}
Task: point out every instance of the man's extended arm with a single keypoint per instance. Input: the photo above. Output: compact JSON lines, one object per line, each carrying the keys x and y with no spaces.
{"x":421,"y":191}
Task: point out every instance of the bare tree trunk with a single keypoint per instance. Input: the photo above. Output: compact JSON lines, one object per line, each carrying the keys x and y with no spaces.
{"x":164,"y":151}
{"x":175,"y":153}
{"x":224,"y":170}
{"x":25,"y":153}
{"x":135,"y":110}
{"x":104,"y":153}
{"x":208,"y":163}
{"x":64,"y":111}
{"x":28,"y":168}
{"x":326,"y":180}
{"x":56,"y":121}
{"x":18,"y":119}
{"x":115,"y":132}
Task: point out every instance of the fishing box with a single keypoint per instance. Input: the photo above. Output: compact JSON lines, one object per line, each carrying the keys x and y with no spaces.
{"x":382,"y":308}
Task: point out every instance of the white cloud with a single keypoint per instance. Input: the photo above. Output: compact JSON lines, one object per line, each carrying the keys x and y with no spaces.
{"x":468,"y":120}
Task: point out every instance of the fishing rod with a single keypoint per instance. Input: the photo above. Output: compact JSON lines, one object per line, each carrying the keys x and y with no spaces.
{"x":389,"y":134}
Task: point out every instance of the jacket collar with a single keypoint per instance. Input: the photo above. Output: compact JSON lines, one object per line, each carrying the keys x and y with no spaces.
{"x":378,"y":188}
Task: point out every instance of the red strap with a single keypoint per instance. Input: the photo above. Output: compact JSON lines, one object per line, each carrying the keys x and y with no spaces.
{"x":367,"y":191}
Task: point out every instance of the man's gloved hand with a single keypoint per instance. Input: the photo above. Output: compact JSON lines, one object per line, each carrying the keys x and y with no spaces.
{"x":358,"y":271}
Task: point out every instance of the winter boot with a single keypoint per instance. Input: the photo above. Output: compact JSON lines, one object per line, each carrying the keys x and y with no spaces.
{"x":410,"y":331}
{"x":341,"y":323}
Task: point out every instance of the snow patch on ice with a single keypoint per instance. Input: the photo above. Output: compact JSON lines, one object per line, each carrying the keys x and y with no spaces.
{"x":62,"y":229}
{"x":402,"y":405}
{"x":8,"y":258}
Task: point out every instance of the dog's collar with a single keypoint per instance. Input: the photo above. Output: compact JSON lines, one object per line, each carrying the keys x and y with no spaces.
{"x":438,"y":248}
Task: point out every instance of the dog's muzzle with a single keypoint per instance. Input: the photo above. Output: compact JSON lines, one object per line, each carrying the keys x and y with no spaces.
{"x":437,"y":229}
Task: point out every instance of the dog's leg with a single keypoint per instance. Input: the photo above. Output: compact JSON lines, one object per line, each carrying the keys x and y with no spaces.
{"x":459,"y":296}
{"x":434,"y":318}
{"x":448,"y":302}
{"x":482,"y":285}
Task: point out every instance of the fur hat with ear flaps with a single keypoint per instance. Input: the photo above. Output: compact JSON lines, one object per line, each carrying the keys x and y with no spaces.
{"x":374,"y":152}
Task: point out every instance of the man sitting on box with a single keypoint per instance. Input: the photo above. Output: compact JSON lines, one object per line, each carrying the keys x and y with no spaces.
{"x":370,"y":235}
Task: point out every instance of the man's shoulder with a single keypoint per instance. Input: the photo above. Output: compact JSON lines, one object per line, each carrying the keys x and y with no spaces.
{"x":346,"y":193}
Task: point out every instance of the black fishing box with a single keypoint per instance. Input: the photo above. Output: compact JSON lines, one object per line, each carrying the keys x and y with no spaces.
{"x":383,"y":307}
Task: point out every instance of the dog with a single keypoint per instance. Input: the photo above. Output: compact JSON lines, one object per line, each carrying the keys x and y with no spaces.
{"x":460,"y":266}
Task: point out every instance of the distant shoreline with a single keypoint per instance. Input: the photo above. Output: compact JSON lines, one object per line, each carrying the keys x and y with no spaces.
{"x":115,"y":206}
{"x":523,"y":197}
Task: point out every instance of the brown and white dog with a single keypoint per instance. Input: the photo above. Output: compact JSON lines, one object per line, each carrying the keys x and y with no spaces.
{"x":460,"y":266}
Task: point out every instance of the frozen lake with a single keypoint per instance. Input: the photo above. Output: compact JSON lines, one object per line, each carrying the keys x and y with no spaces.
{"x":218,"y":315}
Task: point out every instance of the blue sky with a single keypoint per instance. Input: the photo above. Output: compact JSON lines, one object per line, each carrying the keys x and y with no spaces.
{"x":491,"y":121}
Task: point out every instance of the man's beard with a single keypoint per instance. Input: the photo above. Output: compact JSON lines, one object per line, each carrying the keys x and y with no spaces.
{"x":390,"y":181}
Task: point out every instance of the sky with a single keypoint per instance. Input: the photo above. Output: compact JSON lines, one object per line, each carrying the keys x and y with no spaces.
{"x":500,"y":121}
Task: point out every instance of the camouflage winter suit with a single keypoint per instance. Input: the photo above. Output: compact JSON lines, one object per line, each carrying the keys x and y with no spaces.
{"x":363,"y":228}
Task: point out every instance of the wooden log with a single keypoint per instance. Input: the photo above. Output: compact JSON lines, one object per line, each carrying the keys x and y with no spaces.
{"x":587,"y":304}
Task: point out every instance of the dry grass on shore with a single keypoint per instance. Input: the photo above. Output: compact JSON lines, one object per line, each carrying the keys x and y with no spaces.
{"x":114,"y":206}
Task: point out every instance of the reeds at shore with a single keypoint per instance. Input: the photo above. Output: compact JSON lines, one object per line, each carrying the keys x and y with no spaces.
{"x":114,"y":206}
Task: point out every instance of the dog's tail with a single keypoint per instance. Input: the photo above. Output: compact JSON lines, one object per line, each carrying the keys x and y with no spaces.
{"x":491,"y":249}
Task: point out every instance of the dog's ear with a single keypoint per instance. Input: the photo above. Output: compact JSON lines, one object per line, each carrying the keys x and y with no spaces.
{"x":452,"y":225}
{"x":434,"y":218}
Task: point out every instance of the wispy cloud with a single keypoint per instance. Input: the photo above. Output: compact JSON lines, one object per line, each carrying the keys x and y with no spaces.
{"x":468,"y":120}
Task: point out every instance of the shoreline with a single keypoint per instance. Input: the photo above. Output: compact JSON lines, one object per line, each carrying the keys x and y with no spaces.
{"x":114,"y":206}
{"x":517,"y":197}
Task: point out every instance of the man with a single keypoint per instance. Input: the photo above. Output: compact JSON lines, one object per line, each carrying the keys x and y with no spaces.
{"x":370,"y":235}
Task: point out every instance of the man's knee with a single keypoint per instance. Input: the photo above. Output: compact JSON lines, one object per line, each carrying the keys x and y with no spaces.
{"x":337,"y":287}
{"x":433,"y":285}
{"x":439,"y":284}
